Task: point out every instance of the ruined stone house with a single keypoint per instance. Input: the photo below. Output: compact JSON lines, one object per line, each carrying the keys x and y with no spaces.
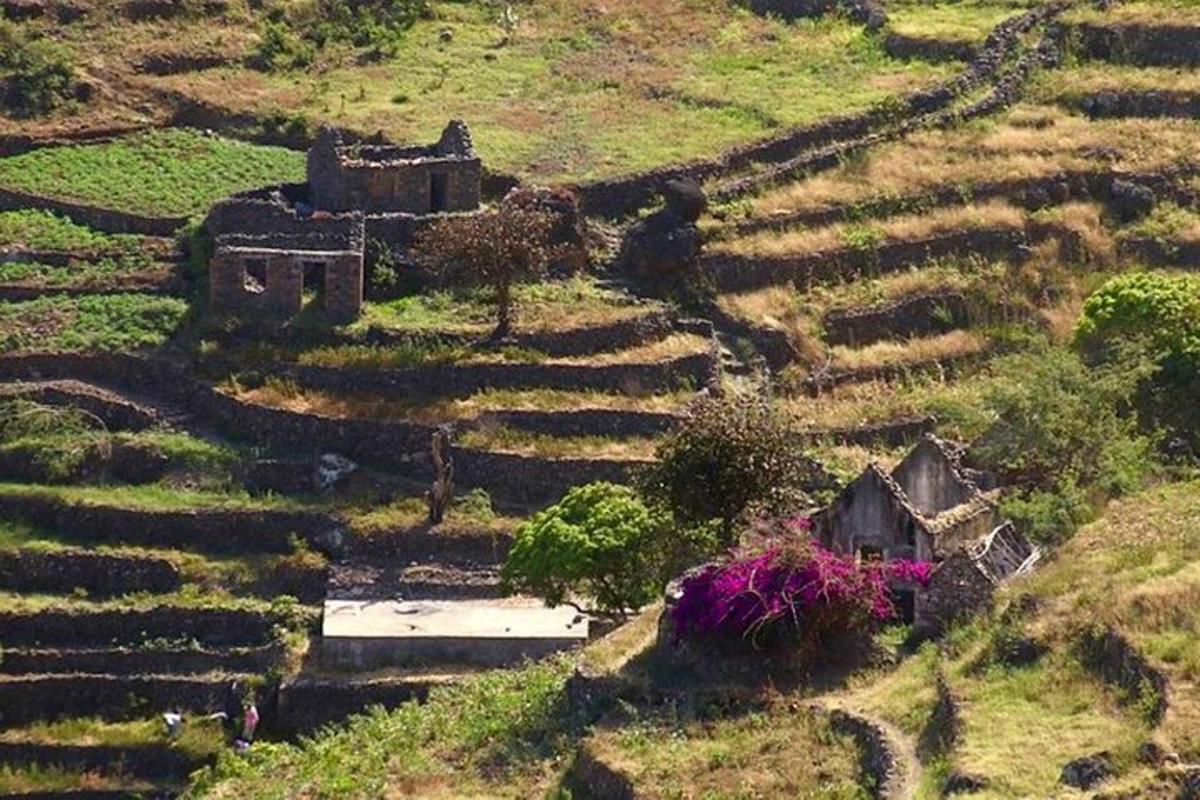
{"x":929,"y":508}
{"x":388,"y":179}
{"x":278,"y":245}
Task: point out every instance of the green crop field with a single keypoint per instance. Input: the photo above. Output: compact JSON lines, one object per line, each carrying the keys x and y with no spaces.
{"x":163,"y":173}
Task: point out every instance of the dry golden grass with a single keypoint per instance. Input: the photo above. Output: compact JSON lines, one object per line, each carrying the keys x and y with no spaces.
{"x":1087,"y":220}
{"x":956,"y":403}
{"x":501,"y":439}
{"x":1091,"y":77}
{"x":905,"y":227}
{"x":786,"y":750}
{"x":435,"y":410}
{"x":778,"y":307}
{"x":674,"y":346}
{"x":1144,"y":12}
{"x":1147,"y":548}
{"x":914,"y":351}
{"x":1031,"y":141}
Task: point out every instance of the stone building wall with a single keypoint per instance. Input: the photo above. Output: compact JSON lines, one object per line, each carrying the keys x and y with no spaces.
{"x":872,"y":513}
{"x":956,"y":590}
{"x":931,"y":479}
{"x":377,"y":179}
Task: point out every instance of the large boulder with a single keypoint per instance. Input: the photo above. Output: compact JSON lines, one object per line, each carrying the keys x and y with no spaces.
{"x":685,"y":199}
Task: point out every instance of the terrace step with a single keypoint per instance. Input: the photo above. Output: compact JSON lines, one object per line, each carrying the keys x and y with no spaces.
{"x":131,"y":793}
{"x":27,"y":699}
{"x":130,"y":661}
{"x":148,"y":762}
{"x":99,"y":574}
{"x":359,"y":581}
{"x":81,"y":626}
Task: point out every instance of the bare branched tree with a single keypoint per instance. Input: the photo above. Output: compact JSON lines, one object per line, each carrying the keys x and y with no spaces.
{"x":493,"y":249}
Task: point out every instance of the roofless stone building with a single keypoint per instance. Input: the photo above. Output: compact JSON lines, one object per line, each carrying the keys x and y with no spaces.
{"x":274,"y":246}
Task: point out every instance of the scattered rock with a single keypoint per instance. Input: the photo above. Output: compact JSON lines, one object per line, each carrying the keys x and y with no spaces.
{"x":1131,"y":201}
{"x":1088,"y":772}
{"x":1019,"y":651}
{"x":332,"y":542}
{"x":1190,"y":788}
{"x":331,"y":469}
{"x":1036,"y":198}
{"x":445,"y":35}
{"x":963,"y":783}
{"x":685,"y":199}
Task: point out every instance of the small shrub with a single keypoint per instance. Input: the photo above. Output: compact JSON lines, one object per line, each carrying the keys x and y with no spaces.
{"x":601,"y":541}
{"x":36,"y":75}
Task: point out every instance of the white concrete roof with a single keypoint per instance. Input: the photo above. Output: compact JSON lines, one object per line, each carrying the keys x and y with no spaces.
{"x":451,"y":619}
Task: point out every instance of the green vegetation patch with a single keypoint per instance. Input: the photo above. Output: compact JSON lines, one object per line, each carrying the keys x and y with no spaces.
{"x":175,"y":172}
{"x":488,"y":736}
{"x":109,"y":323}
{"x":967,"y":21}
{"x":548,"y":305}
{"x":779,"y":752}
{"x":36,"y":229}
{"x":199,"y":738}
{"x":574,"y":93}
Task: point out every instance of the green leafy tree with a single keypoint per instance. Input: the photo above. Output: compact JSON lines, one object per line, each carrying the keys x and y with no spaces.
{"x":1160,"y":312}
{"x":602,"y":542}
{"x":1063,"y":434}
{"x":730,"y":457}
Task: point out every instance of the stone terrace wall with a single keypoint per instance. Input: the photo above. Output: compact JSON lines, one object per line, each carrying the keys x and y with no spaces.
{"x":467,"y":379}
{"x":125,"y":661}
{"x":213,"y":627}
{"x":212,"y":530}
{"x":957,"y":589}
{"x":308,"y":704}
{"x":102,"y":219}
{"x":400,"y":446}
{"x":149,"y":762}
{"x":1142,"y":45}
{"x":98,"y":573}
{"x":918,"y":315}
{"x":733,"y":273}
{"x":533,"y":480}
{"x":47,"y":697}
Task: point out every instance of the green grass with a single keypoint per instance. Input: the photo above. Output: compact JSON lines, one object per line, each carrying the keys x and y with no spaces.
{"x":106,"y":273}
{"x":33,"y":779}
{"x":199,"y":739}
{"x":484,"y":737}
{"x":36,"y":229}
{"x":549,"y":305}
{"x":968,"y":21}
{"x":163,"y":173}
{"x":108,"y":323}
{"x":510,"y":440}
{"x":776,"y":752}
{"x":573,"y":95}
{"x":189,"y":597}
{"x":155,"y":497}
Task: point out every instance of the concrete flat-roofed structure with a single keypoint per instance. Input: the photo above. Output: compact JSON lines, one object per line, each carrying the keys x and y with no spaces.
{"x":374,"y":634}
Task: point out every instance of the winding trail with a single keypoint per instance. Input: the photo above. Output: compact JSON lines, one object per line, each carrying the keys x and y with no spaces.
{"x":894,"y":761}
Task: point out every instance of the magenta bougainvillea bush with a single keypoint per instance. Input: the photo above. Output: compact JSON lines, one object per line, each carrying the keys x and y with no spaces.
{"x":792,"y":589}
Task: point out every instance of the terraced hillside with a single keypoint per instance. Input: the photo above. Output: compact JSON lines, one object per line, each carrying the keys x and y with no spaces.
{"x":904,"y":214}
